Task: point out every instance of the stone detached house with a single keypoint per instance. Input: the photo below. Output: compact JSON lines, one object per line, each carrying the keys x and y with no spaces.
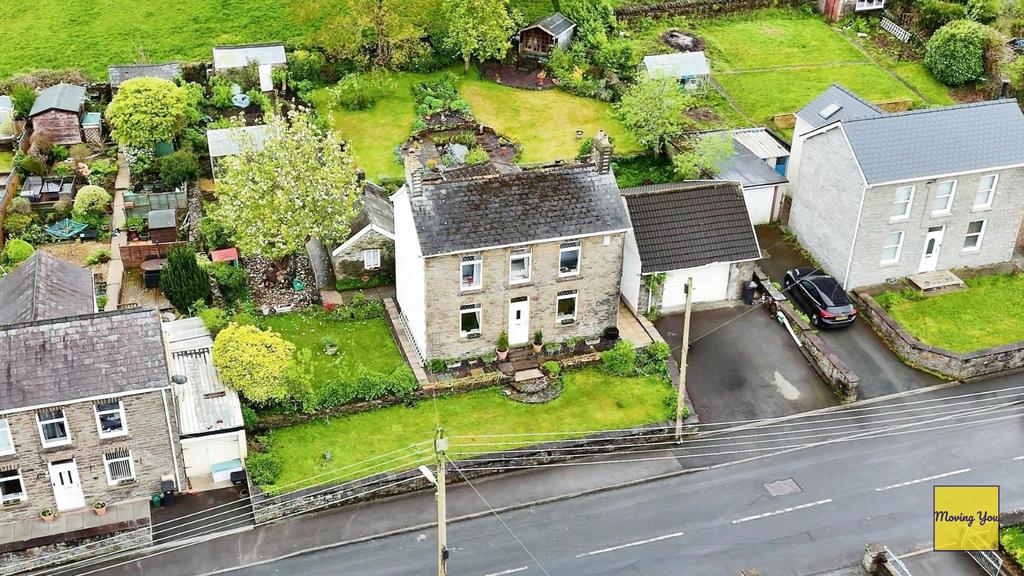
{"x":369,"y":249}
{"x":882,"y":195}
{"x":58,"y":112}
{"x":516,"y":250}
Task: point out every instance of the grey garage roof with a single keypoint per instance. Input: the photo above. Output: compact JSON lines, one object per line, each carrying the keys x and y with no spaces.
{"x":691,"y":225}
{"x":744,"y":166}
{"x":555,"y":24}
{"x":60,"y":361}
{"x":517,"y":208}
{"x":68,"y":97}
{"x":118,"y":74}
{"x":837,"y":104}
{"x":45,"y":287}
{"x":937,"y":141}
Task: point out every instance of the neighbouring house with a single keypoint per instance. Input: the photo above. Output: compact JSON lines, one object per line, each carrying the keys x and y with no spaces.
{"x":86,"y":416}
{"x":209,"y":413}
{"x":57,"y":112}
{"x":891,"y":195}
{"x":691,"y":69}
{"x":836,"y":10}
{"x":539,"y":39}
{"x":518,"y":251}
{"x":759,"y":163}
{"x":223,"y":142}
{"x":266,"y":57}
{"x":45,"y":287}
{"x":699,"y":230}
{"x":6,"y":118}
{"x":163,"y":225}
{"x":119,"y":74}
{"x":369,"y":249}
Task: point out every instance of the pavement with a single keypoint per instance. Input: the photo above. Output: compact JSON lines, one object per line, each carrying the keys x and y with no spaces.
{"x":743,"y":365}
{"x":932,"y":563}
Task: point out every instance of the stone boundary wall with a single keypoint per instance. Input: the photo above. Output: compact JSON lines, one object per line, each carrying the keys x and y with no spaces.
{"x":954,"y":365}
{"x":75,"y":550}
{"x":269,"y":508}
{"x":698,"y":7}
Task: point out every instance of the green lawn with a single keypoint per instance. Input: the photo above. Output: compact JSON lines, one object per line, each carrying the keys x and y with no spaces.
{"x":919,"y":77}
{"x":361,"y":343}
{"x":6,"y":161}
{"x":981,"y":316}
{"x":591,"y":401}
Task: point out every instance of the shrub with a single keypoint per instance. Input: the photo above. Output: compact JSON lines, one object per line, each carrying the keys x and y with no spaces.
{"x":249,"y":418}
{"x":620,"y":360}
{"x":215,"y":319}
{"x":179,"y":167}
{"x":182,"y":280}
{"x":28,"y":164}
{"x":62,"y":209}
{"x":955,"y":54}
{"x":1012,"y":540}
{"x":146,"y":111}
{"x":551,"y":368}
{"x":17,"y":224}
{"x":90,"y":201}
{"x":98,"y":256}
{"x":23,"y":97}
{"x":20,"y":205}
{"x":552,"y":347}
{"x":15,"y":252}
{"x":437,"y":365}
{"x":984,"y":11}
{"x":502,"y":341}
{"x":214,"y":232}
{"x":101,"y":302}
{"x":306,"y":65}
{"x":253,"y":362}
{"x":651,"y":359}
{"x":937,"y":13}
{"x":220,"y":95}
{"x":59,"y":153}
{"x":263,"y":467}
{"x":359,"y":91}
{"x":231,"y":281}
{"x":366,"y":385}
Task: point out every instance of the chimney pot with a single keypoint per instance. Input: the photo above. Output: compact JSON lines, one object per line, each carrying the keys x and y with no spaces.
{"x":602,"y":152}
{"x":413,"y":176}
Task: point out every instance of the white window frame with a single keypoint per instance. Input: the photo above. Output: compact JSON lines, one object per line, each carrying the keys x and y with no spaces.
{"x":470,"y":308}
{"x":949,"y":199}
{"x":567,"y":295}
{"x":67,"y":429}
{"x":990,"y":190}
{"x":99,"y":426}
{"x":5,"y":428}
{"x":980,"y":234}
{"x":477,"y":261}
{"x":371,"y":259}
{"x":8,"y":475}
{"x":116,"y":459}
{"x":899,"y":247}
{"x":528,"y":257}
{"x":574,"y":246}
{"x":906,"y":205}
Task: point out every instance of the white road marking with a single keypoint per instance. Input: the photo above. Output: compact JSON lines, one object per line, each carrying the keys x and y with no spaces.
{"x":1019,"y":458}
{"x":783,"y":511}
{"x":919,"y":480}
{"x":512,"y":571}
{"x":631,"y":544}
{"x":788,"y":391}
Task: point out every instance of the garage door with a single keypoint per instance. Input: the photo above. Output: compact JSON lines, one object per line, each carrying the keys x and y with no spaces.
{"x":760,"y":204}
{"x":202,"y":453}
{"x":710,"y":284}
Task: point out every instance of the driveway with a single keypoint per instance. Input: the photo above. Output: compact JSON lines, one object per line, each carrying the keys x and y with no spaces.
{"x":880,"y":371}
{"x":744,"y":366}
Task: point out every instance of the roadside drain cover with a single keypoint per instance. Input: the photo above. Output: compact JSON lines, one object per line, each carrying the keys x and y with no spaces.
{"x":782,"y":487}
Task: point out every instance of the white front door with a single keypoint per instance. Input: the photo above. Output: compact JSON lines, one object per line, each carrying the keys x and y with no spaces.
{"x":932,"y":244}
{"x":67,"y":487}
{"x":519,"y":320}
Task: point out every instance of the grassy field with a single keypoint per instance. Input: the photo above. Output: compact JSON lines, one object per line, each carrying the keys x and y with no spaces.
{"x":919,"y":77}
{"x":970,"y":319}
{"x":591,"y":401}
{"x":781,"y":39}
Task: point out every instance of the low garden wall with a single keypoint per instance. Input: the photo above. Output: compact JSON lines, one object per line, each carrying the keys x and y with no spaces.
{"x":75,"y":550}
{"x":953,"y":365}
{"x":134,"y":254}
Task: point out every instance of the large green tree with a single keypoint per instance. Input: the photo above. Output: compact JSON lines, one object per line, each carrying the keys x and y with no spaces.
{"x":479,"y":28}
{"x":182,"y":280}
{"x":300,"y":185}
{"x":955,"y":54}
{"x":654,"y":110}
{"x":700,"y":157}
{"x":384,"y":33}
{"x":146,"y":111}
{"x":593,"y":19}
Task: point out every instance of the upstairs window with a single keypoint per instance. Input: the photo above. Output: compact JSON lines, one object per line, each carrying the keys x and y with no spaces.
{"x":110,"y":419}
{"x":986,"y":191}
{"x":371,"y":259}
{"x":6,"y":440}
{"x":53,"y":428}
{"x":519,"y":267}
{"x":472,"y":269}
{"x":119,"y":467}
{"x":469,"y":320}
{"x":12,"y":489}
{"x":565,"y":309}
{"x":901,"y":203}
{"x":942,"y":204}
{"x":569,"y":259}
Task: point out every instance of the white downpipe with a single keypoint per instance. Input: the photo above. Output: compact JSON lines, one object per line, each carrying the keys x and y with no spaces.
{"x":170,"y":438}
{"x":853,"y":241}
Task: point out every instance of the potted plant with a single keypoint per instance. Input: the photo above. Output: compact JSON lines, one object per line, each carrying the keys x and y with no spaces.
{"x":502,"y":349}
{"x":100,"y":508}
{"x":48,"y":515}
{"x":330,"y":344}
{"x":552,"y":347}
{"x":538,"y":341}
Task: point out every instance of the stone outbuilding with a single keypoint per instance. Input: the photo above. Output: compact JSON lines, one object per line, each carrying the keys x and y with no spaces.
{"x":369,"y":250}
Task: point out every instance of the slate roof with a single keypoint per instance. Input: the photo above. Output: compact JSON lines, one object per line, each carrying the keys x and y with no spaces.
{"x":744,"y":166}
{"x":68,"y":97}
{"x":118,"y":74}
{"x":554,"y":24}
{"x":63,"y":360}
{"x":45,"y":287}
{"x":516,"y":208}
{"x":849,"y":105}
{"x":377,"y":208}
{"x":690,"y":225}
{"x":936,"y":141}
{"x":677,"y":65}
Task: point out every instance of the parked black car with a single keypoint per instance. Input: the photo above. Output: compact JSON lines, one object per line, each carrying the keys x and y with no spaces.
{"x":820,"y":296}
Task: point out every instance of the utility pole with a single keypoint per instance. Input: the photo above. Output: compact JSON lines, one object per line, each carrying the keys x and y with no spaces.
{"x":440,"y":449}
{"x":683,"y":349}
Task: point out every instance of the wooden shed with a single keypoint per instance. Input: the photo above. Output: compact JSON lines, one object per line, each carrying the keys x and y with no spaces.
{"x":539,"y":39}
{"x":163,"y":225}
{"x":57,"y":112}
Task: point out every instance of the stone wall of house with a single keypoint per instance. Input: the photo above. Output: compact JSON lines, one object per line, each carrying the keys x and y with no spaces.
{"x":597,"y":287}
{"x":954,"y":365}
{"x":148,"y":441}
{"x":349,"y":262}
{"x":75,"y":550}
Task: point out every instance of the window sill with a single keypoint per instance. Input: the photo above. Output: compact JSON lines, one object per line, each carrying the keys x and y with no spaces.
{"x":975,"y":209}
{"x":889,"y":264}
{"x":945,"y":214}
{"x":970,"y":250}
{"x":898,"y":219}
{"x":56,"y":447}
{"x":469,"y":336}
{"x":569,"y":278}
{"x":105,"y":439}
{"x":14,"y":504}
{"x":473,"y":290}
{"x":520,"y":284}
{"x":566,"y":321}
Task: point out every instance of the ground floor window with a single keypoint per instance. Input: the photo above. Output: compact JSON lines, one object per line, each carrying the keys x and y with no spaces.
{"x":469,"y":320}
{"x":11,"y":487}
{"x":566,"y":307}
{"x":892,"y":248}
{"x":371,"y":259}
{"x":975,"y":231}
{"x":119,"y":466}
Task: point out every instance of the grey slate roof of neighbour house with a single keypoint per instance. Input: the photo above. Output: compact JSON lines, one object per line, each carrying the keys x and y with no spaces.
{"x":377,"y":208}
{"x":843,"y":105}
{"x":744,"y":166}
{"x":45,"y":287}
{"x":937,"y":141}
{"x":63,"y":360}
{"x":68,"y":97}
{"x":118,"y":74}
{"x":517,"y":208}
{"x":554,"y":24}
{"x":204,"y":404}
{"x":690,"y":225}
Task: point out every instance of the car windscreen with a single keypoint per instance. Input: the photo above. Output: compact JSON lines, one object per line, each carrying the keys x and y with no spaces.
{"x":831,"y":291}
